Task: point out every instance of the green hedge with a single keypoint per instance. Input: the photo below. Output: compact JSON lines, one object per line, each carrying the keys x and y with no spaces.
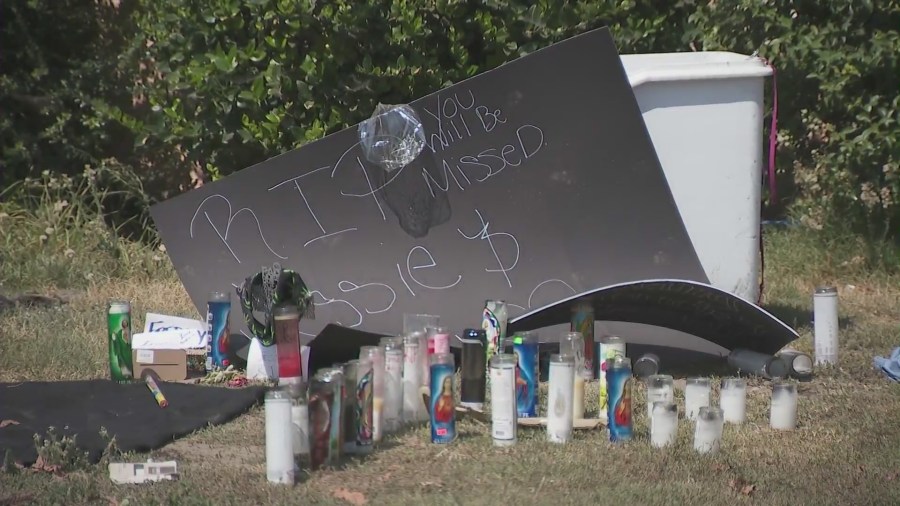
{"x":216,"y":85}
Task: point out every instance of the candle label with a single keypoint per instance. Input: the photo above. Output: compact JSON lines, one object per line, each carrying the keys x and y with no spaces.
{"x":608,"y":351}
{"x":526,"y":378}
{"x":619,"y":408}
{"x":503,"y":405}
{"x":491,"y":325}
{"x":364,"y":411}
{"x":583,"y":321}
{"x":443,"y":408}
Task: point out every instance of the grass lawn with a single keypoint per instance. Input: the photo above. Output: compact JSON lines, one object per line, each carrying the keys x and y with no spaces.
{"x":846,"y":449}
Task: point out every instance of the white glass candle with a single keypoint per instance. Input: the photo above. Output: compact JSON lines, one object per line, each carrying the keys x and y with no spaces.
{"x":393,"y":386}
{"x":503,"y":399}
{"x":412,"y":398}
{"x":696,"y":396}
{"x":573,"y":344}
{"x":279,"y":438}
{"x":733,"y":400}
{"x":663,"y":423}
{"x":783,"y":415}
{"x":559,"y":400}
{"x":708,"y":431}
{"x":825,"y":323}
{"x":661,"y":388}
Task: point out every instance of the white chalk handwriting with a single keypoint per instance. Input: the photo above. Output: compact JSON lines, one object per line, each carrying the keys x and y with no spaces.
{"x":231,"y":216}
{"x":484,"y":235}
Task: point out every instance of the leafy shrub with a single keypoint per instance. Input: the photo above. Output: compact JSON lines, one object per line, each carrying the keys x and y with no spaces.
{"x":231,"y":83}
{"x":838,"y":76}
{"x":182,"y":92}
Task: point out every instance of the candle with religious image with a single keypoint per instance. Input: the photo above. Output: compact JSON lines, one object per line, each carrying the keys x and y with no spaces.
{"x":376,"y":355}
{"x":364,"y":401}
{"x":493,"y":322}
{"x":660,"y":387}
{"x":583,"y":323}
{"x":443,"y":401}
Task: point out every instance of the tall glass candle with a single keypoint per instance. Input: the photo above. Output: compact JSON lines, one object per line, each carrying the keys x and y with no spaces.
{"x":825,"y":324}
{"x":559,"y":402}
{"x":393,"y":382}
{"x":572,"y":343}
{"x":733,"y":399}
{"x":660,"y":387}
{"x":438,"y":339}
{"x":300,"y":421}
{"x":279,"y":438}
{"x":376,"y":355}
{"x":364,"y":403}
{"x":443,"y":398}
{"x":696,"y":396}
{"x":783,"y":414}
{"x":610,"y":347}
{"x":708,"y":430}
{"x":583,"y":322}
{"x":287,"y":342}
{"x":348,"y":434}
{"x":503,"y":399}
{"x":413,"y":407}
{"x":417,"y":323}
{"x":663,"y":423}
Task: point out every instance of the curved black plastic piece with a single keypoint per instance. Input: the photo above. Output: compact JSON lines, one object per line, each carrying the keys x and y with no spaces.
{"x":691,"y":307}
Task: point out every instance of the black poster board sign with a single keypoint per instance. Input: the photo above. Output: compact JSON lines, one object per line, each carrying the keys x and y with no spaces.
{"x":539,"y":181}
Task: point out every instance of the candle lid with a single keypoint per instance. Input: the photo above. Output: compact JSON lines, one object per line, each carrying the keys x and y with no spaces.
{"x":827,"y":289}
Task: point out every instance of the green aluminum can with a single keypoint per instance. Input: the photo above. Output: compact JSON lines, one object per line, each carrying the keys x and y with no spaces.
{"x":118,"y":322}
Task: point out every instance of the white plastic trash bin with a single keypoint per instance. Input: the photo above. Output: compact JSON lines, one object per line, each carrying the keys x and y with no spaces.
{"x":704,"y":112}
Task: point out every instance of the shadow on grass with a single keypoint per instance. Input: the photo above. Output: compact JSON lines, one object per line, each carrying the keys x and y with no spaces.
{"x":798,"y":317}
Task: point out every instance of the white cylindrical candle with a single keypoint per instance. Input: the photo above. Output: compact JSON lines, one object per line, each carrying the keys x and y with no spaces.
{"x":279,"y":438}
{"x":412,"y":398}
{"x":503,"y":399}
{"x":825,"y":323}
{"x":393,"y":382}
{"x":733,"y":400}
{"x":376,"y":355}
{"x":708,"y":431}
{"x":663,"y":423}
{"x":783,"y":414}
{"x":660,"y":388}
{"x":696,"y":396}
{"x":573,"y":344}
{"x":559,"y":401}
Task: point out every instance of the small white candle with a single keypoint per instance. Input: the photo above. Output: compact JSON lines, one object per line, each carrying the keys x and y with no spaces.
{"x":783,"y":415}
{"x":696,"y":396}
{"x":663,"y":423}
{"x":279,"y":438}
{"x":708,"y":431}
{"x":660,"y":387}
{"x":559,"y":400}
{"x":733,"y":400}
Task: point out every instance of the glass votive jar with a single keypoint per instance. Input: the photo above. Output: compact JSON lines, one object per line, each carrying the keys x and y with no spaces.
{"x":733,"y":400}
{"x":783,"y":414}
{"x":660,"y":387}
{"x":663,"y":423}
{"x":708,"y":431}
{"x":696,"y":396}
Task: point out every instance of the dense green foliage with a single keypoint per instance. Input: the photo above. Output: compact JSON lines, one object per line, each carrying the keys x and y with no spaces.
{"x":180,"y":92}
